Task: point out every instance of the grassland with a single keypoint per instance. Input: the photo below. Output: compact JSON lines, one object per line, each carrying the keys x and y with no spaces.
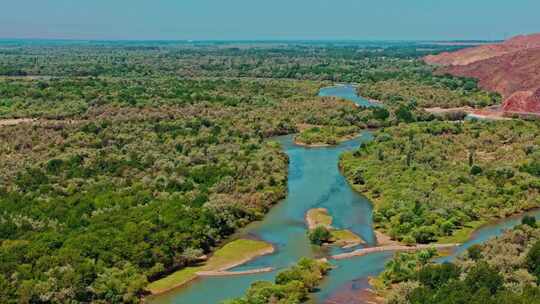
{"x":232,"y":254}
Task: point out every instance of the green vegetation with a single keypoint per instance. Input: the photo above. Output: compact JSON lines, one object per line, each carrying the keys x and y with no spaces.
{"x":121,"y":195}
{"x":231,"y":254}
{"x":351,"y":62}
{"x":321,"y":231}
{"x":404,"y":266}
{"x":345,"y":237}
{"x":318,"y":217}
{"x":504,"y":270}
{"x":291,"y":286}
{"x":419,"y":176}
{"x":330,"y":135}
{"x":146,"y":156}
{"x":529,"y":220}
{"x":428,"y":90}
{"x":320,"y":235}
{"x":62,"y":97}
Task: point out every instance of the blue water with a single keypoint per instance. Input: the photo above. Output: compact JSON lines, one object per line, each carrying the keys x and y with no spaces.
{"x":314,"y":181}
{"x":347,"y":91}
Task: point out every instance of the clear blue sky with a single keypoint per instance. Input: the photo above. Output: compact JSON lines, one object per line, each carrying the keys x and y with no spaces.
{"x":268,"y":19}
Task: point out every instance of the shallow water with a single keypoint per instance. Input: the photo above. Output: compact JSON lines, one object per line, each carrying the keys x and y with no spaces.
{"x":314,"y":181}
{"x":347,"y":91}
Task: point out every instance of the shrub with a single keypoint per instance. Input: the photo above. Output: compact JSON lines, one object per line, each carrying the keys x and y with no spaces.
{"x":434,"y":276}
{"x":320,"y":235}
{"x":475,"y":170}
{"x":483,"y":276}
{"x":474,"y":252}
{"x":529,"y":220}
{"x":533,"y":260}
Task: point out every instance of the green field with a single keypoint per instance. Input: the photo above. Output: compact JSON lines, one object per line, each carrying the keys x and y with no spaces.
{"x":233,"y":253}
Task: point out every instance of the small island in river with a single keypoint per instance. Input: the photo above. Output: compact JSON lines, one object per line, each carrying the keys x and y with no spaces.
{"x":319,"y":218}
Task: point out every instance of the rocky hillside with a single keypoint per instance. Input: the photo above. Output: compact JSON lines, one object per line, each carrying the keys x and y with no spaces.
{"x":523,"y":102}
{"x":511,"y":68}
{"x":479,"y":53}
{"x":506,"y":74}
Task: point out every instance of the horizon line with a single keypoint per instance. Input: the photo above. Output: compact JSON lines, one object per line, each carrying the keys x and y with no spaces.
{"x":246,"y":40}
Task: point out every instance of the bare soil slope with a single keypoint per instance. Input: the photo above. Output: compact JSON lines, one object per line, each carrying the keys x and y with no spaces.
{"x":479,"y":53}
{"x":511,"y":68}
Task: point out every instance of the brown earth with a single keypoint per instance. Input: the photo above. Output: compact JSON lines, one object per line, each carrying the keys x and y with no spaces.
{"x":479,"y":53}
{"x":355,"y":292}
{"x":511,"y":68}
{"x":506,"y":74}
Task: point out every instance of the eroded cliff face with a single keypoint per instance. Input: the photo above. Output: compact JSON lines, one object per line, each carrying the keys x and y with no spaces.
{"x":479,"y":53}
{"x":511,"y":68}
{"x":506,"y":74}
{"x":523,"y":102}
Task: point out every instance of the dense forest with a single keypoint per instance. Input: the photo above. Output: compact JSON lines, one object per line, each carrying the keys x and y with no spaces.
{"x":97,"y":205}
{"x":141,"y":158}
{"x":505,"y":269}
{"x":391,"y":72}
{"x":433,"y":181}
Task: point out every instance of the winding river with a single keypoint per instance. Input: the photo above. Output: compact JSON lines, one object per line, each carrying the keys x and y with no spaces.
{"x":314,"y":181}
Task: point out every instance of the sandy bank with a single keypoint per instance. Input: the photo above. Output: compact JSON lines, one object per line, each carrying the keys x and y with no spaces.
{"x":229,"y":256}
{"x":233,"y":273}
{"x":344,"y":238}
{"x":365,"y":251}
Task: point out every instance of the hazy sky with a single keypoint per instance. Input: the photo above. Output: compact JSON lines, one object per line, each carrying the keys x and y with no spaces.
{"x":268,"y":19}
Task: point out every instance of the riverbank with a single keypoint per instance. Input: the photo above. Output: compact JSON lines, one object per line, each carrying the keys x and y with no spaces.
{"x":393,"y":248}
{"x":233,"y":254}
{"x":425,"y":170}
{"x":356,"y":292}
{"x":224,"y":273}
{"x":323,"y":136}
{"x":489,"y":113}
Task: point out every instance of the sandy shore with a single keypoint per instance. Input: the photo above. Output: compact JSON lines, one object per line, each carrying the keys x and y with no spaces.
{"x":384,"y":240}
{"x":321,"y":145}
{"x":220,"y":271}
{"x":233,"y":273}
{"x":365,"y":251}
{"x":312,"y":222}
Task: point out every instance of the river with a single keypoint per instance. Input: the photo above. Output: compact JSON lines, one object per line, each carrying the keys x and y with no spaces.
{"x":314,"y":182}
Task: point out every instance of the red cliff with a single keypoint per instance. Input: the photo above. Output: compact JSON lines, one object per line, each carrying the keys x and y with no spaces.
{"x":523,"y":102}
{"x":479,"y":53}
{"x":511,"y":68}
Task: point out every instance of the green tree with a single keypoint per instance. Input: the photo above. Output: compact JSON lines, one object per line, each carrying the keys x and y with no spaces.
{"x":483,"y":276}
{"x":533,"y":260}
{"x":434,"y":276}
{"x":475,"y":252}
{"x":120,"y":285}
{"x":529,"y":220}
{"x":320,"y":235}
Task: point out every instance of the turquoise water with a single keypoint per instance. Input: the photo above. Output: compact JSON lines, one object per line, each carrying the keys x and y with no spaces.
{"x":347,"y":91}
{"x":314,"y":181}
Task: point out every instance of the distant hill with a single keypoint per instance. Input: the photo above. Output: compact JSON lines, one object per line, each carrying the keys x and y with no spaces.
{"x":511,"y":68}
{"x":483,"y":52}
